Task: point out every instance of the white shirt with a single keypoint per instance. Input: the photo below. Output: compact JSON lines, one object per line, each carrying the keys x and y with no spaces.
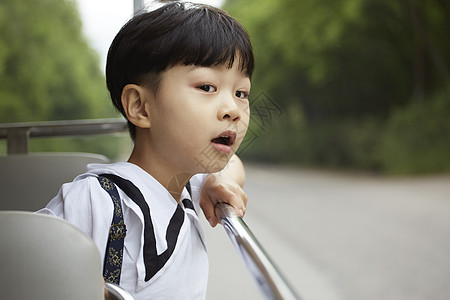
{"x":87,"y":205}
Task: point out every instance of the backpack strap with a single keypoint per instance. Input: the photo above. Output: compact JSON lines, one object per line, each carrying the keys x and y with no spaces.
{"x":112,"y":265}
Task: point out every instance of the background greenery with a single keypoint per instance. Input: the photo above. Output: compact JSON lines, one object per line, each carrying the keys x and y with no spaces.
{"x":49,"y":72}
{"x":364,"y":84}
{"x":356,"y":84}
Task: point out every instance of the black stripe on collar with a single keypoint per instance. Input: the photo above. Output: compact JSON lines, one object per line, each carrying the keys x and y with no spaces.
{"x":188,"y":204}
{"x":153,"y":262}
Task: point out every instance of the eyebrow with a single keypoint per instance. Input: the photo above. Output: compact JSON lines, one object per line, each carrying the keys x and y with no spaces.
{"x":193,"y":68}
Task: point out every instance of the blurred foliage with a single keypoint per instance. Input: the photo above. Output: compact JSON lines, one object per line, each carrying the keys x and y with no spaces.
{"x":350,"y":75}
{"x":47,"y":69}
{"x":419,"y":133}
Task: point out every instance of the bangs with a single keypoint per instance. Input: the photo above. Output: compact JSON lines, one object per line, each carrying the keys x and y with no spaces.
{"x":202,"y":36}
{"x":215,"y":42}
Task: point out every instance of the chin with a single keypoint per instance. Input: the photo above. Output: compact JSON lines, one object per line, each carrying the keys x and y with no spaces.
{"x":213,"y":165}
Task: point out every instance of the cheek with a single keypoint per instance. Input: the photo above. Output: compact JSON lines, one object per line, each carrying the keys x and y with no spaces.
{"x":245,"y":116}
{"x":243,"y":123}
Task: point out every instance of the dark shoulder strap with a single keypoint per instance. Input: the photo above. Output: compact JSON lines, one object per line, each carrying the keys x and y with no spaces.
{"x":152,"y":260}
{"x":112,"y":265}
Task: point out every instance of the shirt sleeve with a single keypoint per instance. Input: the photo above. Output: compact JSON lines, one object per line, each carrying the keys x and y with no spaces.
{"x":80,"y":203}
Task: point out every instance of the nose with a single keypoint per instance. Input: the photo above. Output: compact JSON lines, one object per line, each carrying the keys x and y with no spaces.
{"x":229,"y":110}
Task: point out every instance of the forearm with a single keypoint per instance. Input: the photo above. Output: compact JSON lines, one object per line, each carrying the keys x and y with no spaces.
{"x":233,"y":171}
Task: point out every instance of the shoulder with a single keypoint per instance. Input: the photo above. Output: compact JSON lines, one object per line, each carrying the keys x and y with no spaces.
{"x":81,"y":191}
{"x":81,"y":201}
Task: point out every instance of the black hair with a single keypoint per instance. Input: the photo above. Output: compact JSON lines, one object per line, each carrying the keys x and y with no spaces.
{"x":177,"y":33}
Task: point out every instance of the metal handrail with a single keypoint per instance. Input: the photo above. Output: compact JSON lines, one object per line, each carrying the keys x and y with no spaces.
{"x":115,"y":292}
{"x":271,"y":283}
{"x":18,"y":134}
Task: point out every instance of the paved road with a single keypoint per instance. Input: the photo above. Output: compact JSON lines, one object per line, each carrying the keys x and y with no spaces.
{"x":342,"y":236}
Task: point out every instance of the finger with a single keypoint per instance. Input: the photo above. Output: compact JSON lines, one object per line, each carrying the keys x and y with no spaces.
{"x":233,"y":195}
{"x":208,"y":210}
{"x":237,"y":201}
{"x":223,"y":192}
{"x":244,"y":198}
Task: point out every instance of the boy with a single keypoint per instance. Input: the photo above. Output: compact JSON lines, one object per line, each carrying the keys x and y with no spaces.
{"x":181,"y":77}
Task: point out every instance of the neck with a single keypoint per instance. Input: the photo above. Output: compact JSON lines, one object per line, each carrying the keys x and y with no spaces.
{"x":173,"y":180}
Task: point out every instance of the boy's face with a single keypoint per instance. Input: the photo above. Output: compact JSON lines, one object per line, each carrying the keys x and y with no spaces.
{"x":199,"y":117}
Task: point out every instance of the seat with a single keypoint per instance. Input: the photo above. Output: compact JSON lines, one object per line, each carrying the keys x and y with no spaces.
{"x":43,"y":257}
{"x":36,"y":178}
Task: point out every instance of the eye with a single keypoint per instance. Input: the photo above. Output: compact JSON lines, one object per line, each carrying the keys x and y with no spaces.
{"x":242,"y":94}
{"x":207,"y":88}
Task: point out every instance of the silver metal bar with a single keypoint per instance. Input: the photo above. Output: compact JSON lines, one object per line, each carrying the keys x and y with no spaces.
{"x":138,"y":6}
{"x":272,"y":284}
{"x":115,"y":292}
{"x":18,"y":134}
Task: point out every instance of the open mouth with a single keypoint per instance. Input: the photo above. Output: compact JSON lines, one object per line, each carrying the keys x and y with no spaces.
{"x":224,"y":141}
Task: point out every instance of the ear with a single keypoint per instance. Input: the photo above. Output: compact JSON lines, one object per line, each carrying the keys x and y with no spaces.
{"x":134,"y":103}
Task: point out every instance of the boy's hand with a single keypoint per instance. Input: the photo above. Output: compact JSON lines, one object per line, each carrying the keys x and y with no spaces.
{"x":224,"y":186}
{"x":217,"y":189}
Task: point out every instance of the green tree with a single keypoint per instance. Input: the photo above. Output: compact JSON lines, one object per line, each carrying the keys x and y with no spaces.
{"x":348,"y":64}
{"x":47,"y":70}
{"x":347,"y":57}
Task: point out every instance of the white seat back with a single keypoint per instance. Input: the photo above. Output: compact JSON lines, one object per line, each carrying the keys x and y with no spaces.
{"x":43,"y":257}
{"x":29,"y":181}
